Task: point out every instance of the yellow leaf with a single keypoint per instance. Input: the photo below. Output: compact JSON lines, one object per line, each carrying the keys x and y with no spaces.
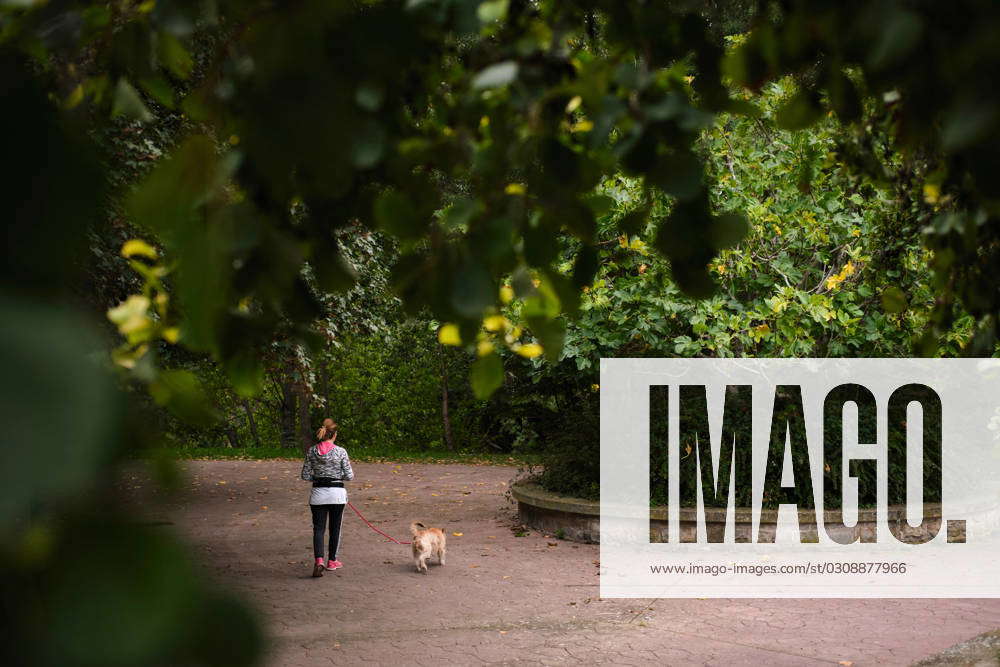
{"x":458,"y":534}
{"x":515,"y":189}
{"x":506,"y":294}
{"x":130,"y":315}
{"x":75,"y":97}
{"x":531,"y":350}
{"x":484,"y":347}
{"x":135,"y":247}
{"x":574,"y":104}
{"x":582,"y":126}
{"x":171,"y":334}
{"x":494,"y":323}
{"x":932,"y":193}
{"x":448,"y":335}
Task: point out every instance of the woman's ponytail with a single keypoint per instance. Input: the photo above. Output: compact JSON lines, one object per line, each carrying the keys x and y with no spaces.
{"x":327,"y":430}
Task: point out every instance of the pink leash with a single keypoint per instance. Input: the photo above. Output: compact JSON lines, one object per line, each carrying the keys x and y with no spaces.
{"x":369,"y":523}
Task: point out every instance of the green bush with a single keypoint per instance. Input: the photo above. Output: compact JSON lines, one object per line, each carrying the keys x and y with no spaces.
{"x":386,"y":391}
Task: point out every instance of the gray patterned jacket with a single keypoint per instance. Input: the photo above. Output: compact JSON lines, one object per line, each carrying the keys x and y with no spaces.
{"x":335,"y":464}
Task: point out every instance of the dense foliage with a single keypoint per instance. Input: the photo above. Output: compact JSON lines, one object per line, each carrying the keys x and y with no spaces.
{"x":813,"y":277}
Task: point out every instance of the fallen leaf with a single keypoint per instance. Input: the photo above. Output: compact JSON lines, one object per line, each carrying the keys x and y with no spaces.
{"x":473,"y":566}
{"x":846,"y":663}
{"x":458,"y":534}
{"x":553,"y":544}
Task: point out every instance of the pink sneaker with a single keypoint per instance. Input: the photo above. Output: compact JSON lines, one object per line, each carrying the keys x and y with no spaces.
{"x":334,"y":565}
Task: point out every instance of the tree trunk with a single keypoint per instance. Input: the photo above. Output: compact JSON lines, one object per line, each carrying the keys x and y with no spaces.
{"x":232,"y":436}
{"x":306,"y":434}
{"x":251,"y":422}
{"x":287,"y":414}
{"x":445,"y":417}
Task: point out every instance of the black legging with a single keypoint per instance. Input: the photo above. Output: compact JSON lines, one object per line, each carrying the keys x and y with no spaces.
{"x":320,"y":512}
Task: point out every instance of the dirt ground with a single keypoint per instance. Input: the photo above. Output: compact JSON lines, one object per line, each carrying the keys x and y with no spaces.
{"x":502,"y":598}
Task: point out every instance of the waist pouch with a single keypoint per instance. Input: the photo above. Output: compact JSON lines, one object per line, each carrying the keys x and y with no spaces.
{"x":326,"y":483}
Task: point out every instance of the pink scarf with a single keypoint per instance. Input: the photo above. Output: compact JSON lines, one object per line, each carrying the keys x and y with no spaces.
{"x":324,"y":447}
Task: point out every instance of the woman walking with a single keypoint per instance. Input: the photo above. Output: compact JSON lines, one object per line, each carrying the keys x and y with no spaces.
{"x":327,"y":466}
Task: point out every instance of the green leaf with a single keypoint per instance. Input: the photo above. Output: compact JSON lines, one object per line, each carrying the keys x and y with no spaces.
{"x":396,"y":214}
{"x":585,"y":266}
{"x":600,"y":204}
{"x":679,"y":174}
{"x":473,"y":289}
{"x":486,"y":375}
{"x":728,"y":230}
{"x":799,"y":112}
{"x":47,"y":354}
{"x":844,"y":97}
{"x":129,"y":103}
{"x":633,"y":223}
{"x":893,"y":300}
{"x":368,"y":144}
{"x":173,"y":55}
{"x":552,"y":334}
{"x":181,"y":393}
{"x":179,"y":185}
{"x":495,"y":76}
{"x":492,"y":10}
{"x":334,"y":272}
{"x":159,"y":89}
{"x":462,"y":212}
{"x":245,"y":372}
{"x":369,"y":96}
{"x":899,"y":32}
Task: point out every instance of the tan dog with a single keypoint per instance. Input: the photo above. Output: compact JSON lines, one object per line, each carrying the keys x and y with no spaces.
{"x":426,"y":543}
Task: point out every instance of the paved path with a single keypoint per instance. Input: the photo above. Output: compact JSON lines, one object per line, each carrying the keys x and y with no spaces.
{"x":502,"y":598}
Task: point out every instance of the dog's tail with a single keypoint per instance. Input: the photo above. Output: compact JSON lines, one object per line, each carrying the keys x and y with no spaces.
{"x":416,"y":527}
